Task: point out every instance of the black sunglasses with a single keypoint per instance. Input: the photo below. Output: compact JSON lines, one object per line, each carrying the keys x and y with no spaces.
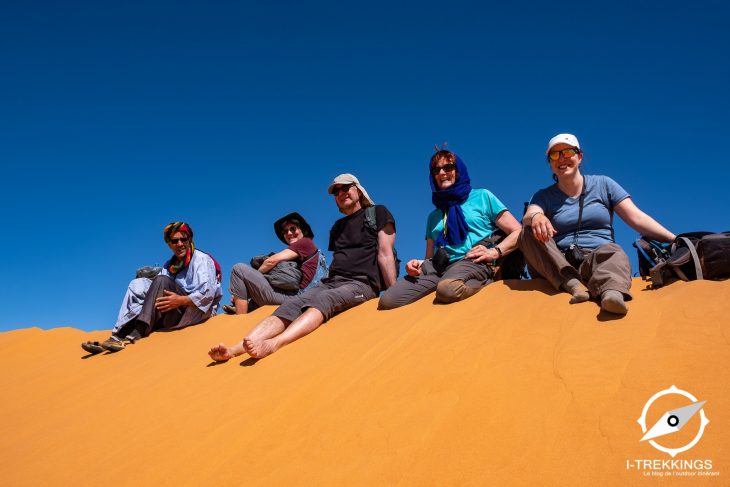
{"x":181,"y":239}
{"x":344,"y":187}
{"x":446,"y":167}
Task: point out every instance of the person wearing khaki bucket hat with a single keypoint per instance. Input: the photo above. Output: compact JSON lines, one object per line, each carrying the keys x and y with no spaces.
{"x":350,"y":180}
{"x":567,"y":235}
{"x":363,"y":264}
{"x":252,"y":285}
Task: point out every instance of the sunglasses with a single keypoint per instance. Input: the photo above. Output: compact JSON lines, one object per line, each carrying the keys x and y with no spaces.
{"x":566,"y":153}
{"x":179,"y":240}
{"x":345,"y":187}
{"x":446,"y":167}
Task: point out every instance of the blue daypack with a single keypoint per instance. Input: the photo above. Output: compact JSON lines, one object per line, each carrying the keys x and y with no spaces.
{"x":322,"y":270}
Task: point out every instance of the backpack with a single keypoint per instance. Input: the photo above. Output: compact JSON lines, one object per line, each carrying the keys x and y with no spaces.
{"x":372,"y":225}
{"x":650,"y":253}
{"x":692,"y":256}
{"x":287,"y":275}
{"x":150,"y":272}
{"x":321,"y":273}
{"x":510,"y":266}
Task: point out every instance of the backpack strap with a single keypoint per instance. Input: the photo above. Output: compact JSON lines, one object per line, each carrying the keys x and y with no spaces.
{"x":316,"y":252}
{"x":695,"y":257}
{"x":370,"y":219}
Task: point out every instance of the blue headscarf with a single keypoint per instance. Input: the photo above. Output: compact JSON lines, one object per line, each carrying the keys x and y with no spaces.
{"x":449,"y":201}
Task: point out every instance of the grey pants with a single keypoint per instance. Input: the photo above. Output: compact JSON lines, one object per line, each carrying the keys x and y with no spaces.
{"x":331,"y":297}
{"x":604,"y":268}
{"x":248,"y":283}
{"x":460,"y":280}
{"x":150,"y":318}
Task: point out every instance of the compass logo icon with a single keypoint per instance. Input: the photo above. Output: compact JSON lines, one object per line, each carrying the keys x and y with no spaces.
{"x":673,"y":420}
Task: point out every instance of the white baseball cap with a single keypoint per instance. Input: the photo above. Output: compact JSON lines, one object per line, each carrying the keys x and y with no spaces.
{"x":569,"y":139}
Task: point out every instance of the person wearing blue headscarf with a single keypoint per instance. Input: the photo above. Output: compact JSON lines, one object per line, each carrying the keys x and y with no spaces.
{"x":462,"y":253}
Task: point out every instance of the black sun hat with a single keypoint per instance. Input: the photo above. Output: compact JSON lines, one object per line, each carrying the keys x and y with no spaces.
{"x":296,"y":219}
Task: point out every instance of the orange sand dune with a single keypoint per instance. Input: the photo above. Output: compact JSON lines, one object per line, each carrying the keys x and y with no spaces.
{"x":511,"y":387}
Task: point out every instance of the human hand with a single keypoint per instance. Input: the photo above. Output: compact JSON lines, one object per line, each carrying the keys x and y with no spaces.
{"x":542,"y":229}
{"x":169,"y":301}
{"x":480,"y":253}
{"x":413,"y":267}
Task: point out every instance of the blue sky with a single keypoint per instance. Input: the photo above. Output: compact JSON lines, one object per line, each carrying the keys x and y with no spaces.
{"x":117,"y":118}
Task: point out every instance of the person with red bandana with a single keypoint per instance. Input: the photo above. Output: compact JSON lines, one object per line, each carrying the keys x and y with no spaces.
{"x":186,"y":292}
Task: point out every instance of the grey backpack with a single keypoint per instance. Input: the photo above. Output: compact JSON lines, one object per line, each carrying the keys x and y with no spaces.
{"x":285,"y":275}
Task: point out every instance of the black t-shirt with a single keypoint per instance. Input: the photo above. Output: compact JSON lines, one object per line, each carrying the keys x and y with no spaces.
{"x":355,"y":247}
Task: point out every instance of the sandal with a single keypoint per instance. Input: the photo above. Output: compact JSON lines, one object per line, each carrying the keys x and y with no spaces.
{"x":114,"y":344}
{"x":229,"y":309}
{"x":92,"y":347}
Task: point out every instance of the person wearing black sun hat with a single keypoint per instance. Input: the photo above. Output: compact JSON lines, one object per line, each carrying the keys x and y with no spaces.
{"x":363,"y":263}
{"x":248,"y":285}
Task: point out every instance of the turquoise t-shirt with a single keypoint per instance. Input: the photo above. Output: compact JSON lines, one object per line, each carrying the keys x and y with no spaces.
{"x":480,"y":209}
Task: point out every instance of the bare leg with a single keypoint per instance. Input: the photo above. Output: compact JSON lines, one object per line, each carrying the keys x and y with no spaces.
{"x":241,"y":305}
{"x":309,"y":321}
{"x":221,"y":353}
{"x":268,"y":328}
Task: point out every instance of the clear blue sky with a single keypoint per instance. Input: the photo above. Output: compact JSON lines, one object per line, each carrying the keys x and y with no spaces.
{"x":119,"y":117}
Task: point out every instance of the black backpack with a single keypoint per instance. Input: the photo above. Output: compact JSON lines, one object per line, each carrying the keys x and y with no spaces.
{"x":692,"y":256}
{"x":372,"y":225}
{"x":510,"y":266}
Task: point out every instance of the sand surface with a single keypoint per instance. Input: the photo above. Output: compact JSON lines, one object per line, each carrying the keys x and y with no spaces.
{"x":511,"y":387}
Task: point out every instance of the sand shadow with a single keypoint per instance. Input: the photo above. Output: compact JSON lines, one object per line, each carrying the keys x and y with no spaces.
{"x":214,"y":363}
{"x":604,"y":316}
{"x":249,"y":362}
{"x":89,"y":355}
{"x":531,"y":285}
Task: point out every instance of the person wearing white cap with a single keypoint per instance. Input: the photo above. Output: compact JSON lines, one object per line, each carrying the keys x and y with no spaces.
{"x":363,"y":263}
{"x":567,"y":235}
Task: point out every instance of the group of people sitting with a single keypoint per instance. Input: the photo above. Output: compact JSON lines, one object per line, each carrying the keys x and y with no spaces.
{"x":566,"y":237}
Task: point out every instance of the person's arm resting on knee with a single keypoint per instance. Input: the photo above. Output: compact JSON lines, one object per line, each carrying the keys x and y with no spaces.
{"x":542,"y":228}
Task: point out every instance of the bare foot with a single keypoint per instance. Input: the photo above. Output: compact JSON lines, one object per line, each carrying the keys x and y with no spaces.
{"x":220,"y":353}
{"x":260,"y":349}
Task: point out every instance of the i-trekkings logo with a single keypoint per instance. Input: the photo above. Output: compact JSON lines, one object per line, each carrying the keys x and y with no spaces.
{"x":678,"y":411}
{"x":672,"y":421}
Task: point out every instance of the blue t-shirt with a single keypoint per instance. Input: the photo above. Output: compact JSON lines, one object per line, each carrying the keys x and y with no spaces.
{"x":480,"y":210}
{"x":602,"y":195}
